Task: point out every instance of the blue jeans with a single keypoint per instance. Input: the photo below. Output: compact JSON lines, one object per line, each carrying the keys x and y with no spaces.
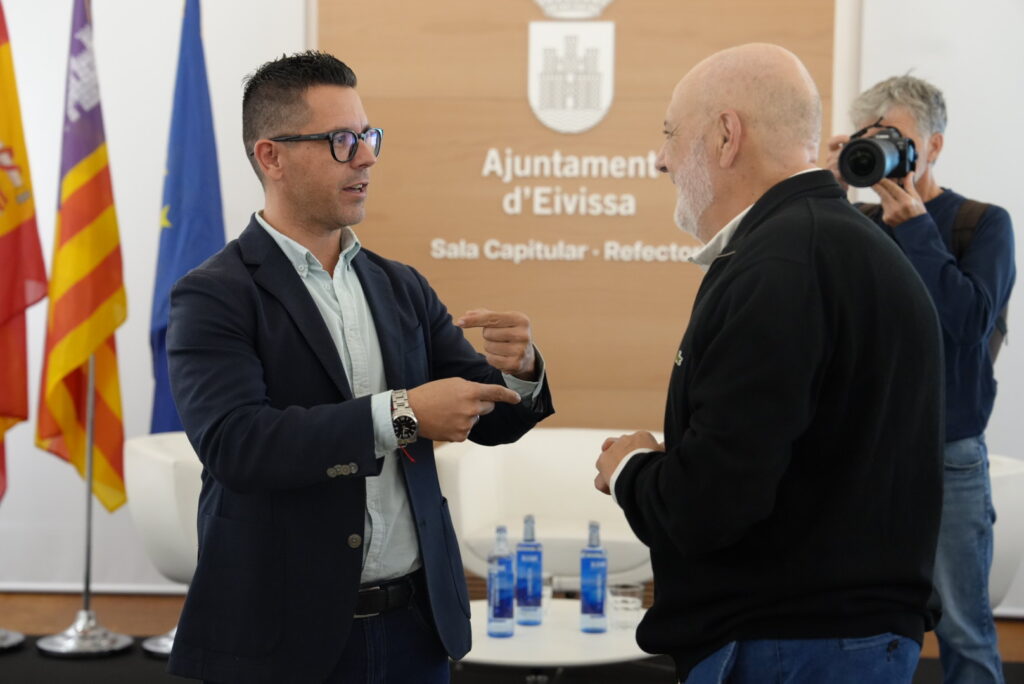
{"x":881,"y":659}
{"x":966,"y":631}
{"x":397,"y":647}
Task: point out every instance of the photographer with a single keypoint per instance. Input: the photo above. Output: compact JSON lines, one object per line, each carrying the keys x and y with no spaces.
{"x":969,"y":277}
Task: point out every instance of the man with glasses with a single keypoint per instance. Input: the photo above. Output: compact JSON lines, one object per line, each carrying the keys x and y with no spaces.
{"x":312,"y":376}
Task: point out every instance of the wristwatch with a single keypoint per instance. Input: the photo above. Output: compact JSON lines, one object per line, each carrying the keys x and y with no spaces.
{"x":403,"y":420}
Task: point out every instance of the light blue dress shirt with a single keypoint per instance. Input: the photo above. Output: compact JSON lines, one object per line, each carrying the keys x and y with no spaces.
{"x":390,"y":544}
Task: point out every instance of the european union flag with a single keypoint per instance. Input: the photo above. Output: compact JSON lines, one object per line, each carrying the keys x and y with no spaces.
{"x":192,"y":219}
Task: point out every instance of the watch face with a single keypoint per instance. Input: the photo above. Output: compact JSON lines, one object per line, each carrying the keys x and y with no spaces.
{"x":405,"y":427}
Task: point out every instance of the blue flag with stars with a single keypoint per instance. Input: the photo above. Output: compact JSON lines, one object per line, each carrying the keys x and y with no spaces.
{"x":192,"y":219}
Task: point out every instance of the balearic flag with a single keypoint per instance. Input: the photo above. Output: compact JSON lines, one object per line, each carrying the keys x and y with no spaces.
{"x":192,"y":220}
{"x":22,"y":273}
{"x":87,"y":296}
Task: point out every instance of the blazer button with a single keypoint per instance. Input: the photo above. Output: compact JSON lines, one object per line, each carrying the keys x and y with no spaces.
{"x":333,"y":471}
{"x":344,"y":469}
{"x":353,"y":468}
{"x":354,"y":541}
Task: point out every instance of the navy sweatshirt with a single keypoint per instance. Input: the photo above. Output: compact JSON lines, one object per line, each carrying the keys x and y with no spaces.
{"x":968,"y":296}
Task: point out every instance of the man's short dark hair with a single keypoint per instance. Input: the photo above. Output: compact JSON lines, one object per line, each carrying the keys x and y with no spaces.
{"x":273,"y":98}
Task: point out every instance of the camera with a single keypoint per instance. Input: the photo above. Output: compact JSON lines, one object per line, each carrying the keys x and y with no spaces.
{"x":887,"y":154}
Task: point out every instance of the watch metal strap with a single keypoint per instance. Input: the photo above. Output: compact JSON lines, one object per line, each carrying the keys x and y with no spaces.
{"x":400,"y":399}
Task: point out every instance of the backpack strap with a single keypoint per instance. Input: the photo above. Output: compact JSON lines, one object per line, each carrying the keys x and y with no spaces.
{"x":998,"y":339}
{"x":968,"y":216}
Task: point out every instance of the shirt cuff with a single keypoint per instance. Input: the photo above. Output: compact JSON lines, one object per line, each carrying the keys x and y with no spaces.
{"x":384,"y":439}
{"x":618,"y":469}
{"x":527,"y":389}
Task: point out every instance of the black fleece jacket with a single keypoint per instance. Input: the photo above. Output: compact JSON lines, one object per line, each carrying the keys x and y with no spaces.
{"x":800,"y":492}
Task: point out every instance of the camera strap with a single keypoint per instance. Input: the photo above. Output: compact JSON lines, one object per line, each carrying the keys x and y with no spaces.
{"x":871,"y":210}
{"x":966,"y":221}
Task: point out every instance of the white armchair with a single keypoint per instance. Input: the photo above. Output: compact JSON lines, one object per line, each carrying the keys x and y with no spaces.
{"x":550,"y":473}
{"x":1007,"y":476}
{"x":162,"y":480}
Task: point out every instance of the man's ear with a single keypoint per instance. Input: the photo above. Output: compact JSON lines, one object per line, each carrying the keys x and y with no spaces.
{"x":267,"y":157}
{"x":728,"y":133}
{"x":935,"y":147}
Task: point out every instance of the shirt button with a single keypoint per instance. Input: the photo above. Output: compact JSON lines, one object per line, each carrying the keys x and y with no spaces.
{"x":302,"y":269}
{"x":355,"y":541}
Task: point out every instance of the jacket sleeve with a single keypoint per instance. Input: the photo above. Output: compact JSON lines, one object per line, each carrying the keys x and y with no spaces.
{"x":967,"y":295}
{"x":753,"y":375}
{"x":217,"y":381}
{"x":451,"y":355}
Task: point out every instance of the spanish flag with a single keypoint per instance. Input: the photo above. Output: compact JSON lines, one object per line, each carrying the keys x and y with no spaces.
{"x":87,"y":297}
{"x":22,"y":273}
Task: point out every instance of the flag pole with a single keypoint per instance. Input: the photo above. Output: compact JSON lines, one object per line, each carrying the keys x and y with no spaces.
{"x":90,"y":436}
{"x":85,"y":638}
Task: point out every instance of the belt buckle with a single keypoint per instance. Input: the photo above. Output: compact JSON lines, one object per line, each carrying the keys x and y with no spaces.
{"x":357,"y":616}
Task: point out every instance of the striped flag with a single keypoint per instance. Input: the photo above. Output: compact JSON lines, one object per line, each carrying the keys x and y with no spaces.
{"x":87,"y":297}
{"x":22,"y":273}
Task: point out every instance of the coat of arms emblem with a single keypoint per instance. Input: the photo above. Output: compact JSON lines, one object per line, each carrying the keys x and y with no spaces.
{"x":571,"y":65}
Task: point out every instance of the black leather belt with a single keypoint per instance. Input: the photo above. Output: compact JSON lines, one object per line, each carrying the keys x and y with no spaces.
{"x":380,"y":598}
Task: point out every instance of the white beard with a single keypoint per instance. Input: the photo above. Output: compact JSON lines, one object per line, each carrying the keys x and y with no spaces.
{"x":694,"y":193}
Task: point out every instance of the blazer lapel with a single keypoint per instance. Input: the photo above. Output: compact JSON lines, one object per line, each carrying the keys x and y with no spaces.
{"x":384,"y":308}
{"x":275,"y":274}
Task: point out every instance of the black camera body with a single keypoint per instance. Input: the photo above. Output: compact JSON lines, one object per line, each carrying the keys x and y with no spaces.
{"x":887,"y":154}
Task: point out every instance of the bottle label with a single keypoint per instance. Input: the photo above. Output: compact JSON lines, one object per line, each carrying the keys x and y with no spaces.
{"x":593,"y":584}
{"x":528,"y":578}
{"x":500,"y":588}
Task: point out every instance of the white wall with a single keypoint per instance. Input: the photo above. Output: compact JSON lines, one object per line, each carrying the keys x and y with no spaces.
{"x":973,"y":52}
{"x":41,"y":517}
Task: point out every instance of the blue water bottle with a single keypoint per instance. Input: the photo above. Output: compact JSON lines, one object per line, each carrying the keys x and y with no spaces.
{"x":593,"y":583}
{"x":529,"y":571}
{"x":500,"y":588}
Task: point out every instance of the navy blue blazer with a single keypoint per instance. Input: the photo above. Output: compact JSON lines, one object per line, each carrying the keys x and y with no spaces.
{"x":265,"y":402}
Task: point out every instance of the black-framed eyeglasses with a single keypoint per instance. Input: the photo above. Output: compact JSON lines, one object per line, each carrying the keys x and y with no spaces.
{"x":344,"y":143}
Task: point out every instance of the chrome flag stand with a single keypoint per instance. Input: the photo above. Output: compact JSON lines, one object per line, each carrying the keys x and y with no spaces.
{"x":160,"y":646}
{"x":86,"y":638}
{"x":10,"y":640}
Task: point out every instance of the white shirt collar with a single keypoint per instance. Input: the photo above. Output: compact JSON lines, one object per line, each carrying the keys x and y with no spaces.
{"x":302,"y":259}
{"x":713,"y":249}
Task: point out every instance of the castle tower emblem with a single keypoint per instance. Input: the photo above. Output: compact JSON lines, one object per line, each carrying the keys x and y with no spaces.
{"x":572,"y":65}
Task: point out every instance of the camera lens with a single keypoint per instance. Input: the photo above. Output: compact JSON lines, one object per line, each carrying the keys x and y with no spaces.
{"x":865,"y":161}
{"x":861,"y":162}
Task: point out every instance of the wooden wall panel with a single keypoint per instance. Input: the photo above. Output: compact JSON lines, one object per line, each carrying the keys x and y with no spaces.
{"x":447,"y":80}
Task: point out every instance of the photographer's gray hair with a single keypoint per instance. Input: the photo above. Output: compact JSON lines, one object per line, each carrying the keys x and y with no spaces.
{"x":924,"y":101}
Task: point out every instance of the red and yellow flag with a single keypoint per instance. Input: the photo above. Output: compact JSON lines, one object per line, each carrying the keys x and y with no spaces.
{"x":22,"y":273}
{"x":87,"y":296}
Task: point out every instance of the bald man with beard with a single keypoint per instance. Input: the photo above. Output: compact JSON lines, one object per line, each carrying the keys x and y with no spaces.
{"x":792,"y":511}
